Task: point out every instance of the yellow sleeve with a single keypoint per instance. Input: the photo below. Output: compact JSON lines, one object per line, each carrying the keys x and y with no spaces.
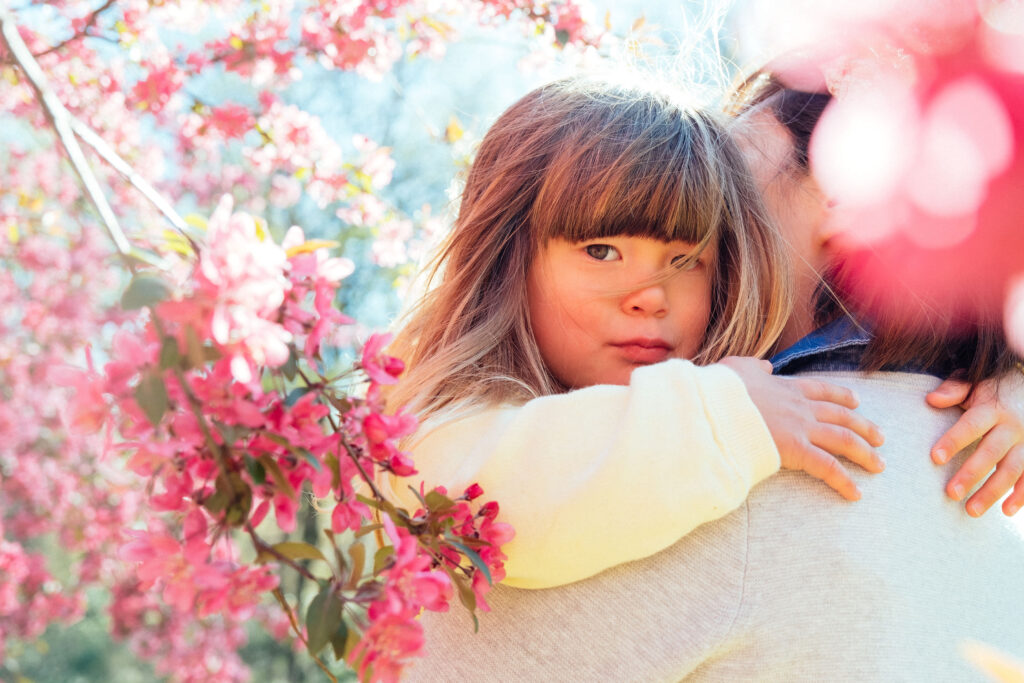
{"x":607,"y":474}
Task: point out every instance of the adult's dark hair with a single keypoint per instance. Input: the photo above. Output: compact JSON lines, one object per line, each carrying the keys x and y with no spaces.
{"x":964,"y":343}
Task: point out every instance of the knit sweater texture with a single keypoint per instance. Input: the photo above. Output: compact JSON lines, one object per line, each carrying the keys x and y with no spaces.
{"x":795,"y":585}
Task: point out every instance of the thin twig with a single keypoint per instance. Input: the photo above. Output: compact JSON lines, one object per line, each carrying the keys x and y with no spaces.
{"x":298,"y":631}
{"x":263,"y":547}
{"x":90,"y":22}
{"x":348,"y":448}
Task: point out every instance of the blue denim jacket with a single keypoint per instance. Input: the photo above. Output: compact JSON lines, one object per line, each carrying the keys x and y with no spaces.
{"x":839,"y":345}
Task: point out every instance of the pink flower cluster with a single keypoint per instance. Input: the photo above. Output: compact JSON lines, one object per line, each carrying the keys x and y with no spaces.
{"x":54,"y":483}
{"x":219,"y":408}
{"x":180,"y":646}
{"x":188,"y":577}
{"x":220,"y":451}
{"x":464,"y":551}
{"x":30,"y":600}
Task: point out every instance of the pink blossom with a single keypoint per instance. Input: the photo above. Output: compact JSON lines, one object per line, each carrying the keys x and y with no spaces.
{"x":387,"y":646}
{"x":379,"y":367}
{"x":155,"y":90}
{"x":348,"y":515}
{"x":474,"y":491}
{"x":232,"y":120}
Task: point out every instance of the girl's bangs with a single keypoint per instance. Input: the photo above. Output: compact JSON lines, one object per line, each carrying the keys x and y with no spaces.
{"x":655,"y":186}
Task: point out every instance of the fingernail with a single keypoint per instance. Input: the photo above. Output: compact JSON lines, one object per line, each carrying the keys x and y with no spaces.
{"x":940,"y":455}
{"x":1012,"y":509}
{"x":958,"y":492}
{"x":974,"y":509}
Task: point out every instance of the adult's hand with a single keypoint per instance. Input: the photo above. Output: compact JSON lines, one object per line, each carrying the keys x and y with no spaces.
{"x":994,"y":416}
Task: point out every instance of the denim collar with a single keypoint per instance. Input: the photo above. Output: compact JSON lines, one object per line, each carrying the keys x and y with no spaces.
{"x":838,"y":345}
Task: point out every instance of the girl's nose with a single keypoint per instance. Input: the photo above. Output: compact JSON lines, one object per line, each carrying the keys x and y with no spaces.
{"x":650,"y":300}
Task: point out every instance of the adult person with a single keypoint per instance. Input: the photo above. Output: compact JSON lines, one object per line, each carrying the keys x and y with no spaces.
{"x":783,"y":588}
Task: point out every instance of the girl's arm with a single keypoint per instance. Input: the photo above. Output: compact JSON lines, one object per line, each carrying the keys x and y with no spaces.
{"x":994,"y":416}
{"x":608,"y":474}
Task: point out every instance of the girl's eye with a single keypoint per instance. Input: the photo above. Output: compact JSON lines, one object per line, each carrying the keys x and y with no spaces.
{"x":602,"y":252}
{"x":680,"y":261}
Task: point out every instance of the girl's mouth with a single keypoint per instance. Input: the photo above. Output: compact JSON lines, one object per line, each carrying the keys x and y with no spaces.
{"x":644,"y":351}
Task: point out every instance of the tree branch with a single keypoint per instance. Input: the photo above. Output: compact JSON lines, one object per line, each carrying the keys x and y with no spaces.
{"x":58,"y":116}
{"x":65,"y":123}
{"x":91,"y":138}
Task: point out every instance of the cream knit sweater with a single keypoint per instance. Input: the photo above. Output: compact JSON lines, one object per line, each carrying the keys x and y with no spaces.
{"x":606,"y":474}
{"x":795,"y":585}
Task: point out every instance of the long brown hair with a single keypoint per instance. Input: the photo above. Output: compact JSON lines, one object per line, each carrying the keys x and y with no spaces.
{"x":581,"y":159}
{"x":953,"y":341}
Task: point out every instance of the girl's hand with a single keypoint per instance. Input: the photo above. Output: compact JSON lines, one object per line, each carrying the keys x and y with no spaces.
{"x":994,"y":413}
{"x":812,"y":422}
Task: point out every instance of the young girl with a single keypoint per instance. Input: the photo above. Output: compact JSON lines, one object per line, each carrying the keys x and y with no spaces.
{"x":606,"y":233}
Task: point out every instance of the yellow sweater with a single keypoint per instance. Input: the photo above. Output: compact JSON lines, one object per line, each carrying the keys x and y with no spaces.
{"x":603,"y":475}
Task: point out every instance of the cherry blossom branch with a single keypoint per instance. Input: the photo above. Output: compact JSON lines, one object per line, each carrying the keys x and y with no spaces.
{"x":65,"y":123}
{"x":58,"y":116}
{"x":91,"y":138}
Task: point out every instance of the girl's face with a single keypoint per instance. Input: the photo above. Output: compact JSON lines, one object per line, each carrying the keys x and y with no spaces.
{"x":599,"y":310}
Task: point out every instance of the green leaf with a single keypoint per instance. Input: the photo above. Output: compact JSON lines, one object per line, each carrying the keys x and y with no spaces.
{"x":274,"y":470}
{"x":369,"y":528}
{"x":474,"y":558}
{"x":216,"y":503}
{"x":416,"y":492}
{"x":193,"y":348}
{"x":562,"y":37}
{"x":297,"y":550}
{"x":438,"y":502}
{"x":323,"y":617}
{"x":295,"y":394}
{"x":170,"y":356}
{"x":358,"y":554}
{"x":338,"y":556}
{"x":382,"y":505}
{"x":339,"y":641}
{"x":297,"y":451}
{"x":291,"y":366}
{"x":382,"y":557}
{"x":310,"y":458}
{"x":229,"y":433}
{"x":151,"y":395}
{"x":466,"y":595}
{"x":256,"y":469}
{"x":144,"y":290}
